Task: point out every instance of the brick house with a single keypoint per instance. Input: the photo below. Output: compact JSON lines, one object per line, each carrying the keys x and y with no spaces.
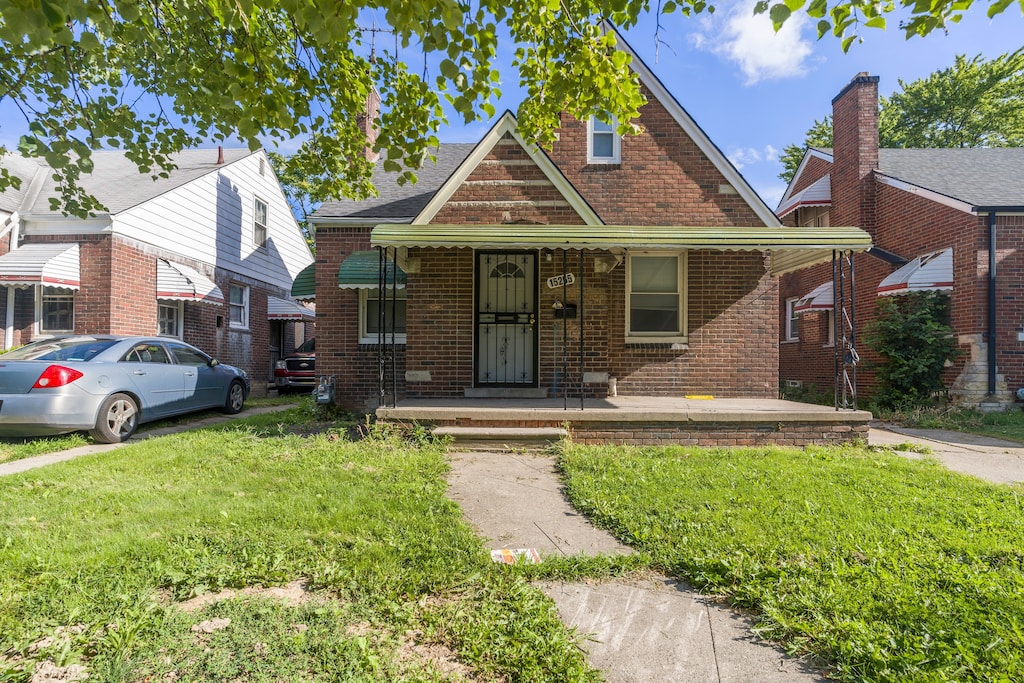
{"x":934,"y":216}
{"x":207,"y":255}
{"x":638,"y":265}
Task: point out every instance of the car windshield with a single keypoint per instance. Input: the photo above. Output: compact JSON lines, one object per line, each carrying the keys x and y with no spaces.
{"x":70,"y":349}
{"x":308,"y":346}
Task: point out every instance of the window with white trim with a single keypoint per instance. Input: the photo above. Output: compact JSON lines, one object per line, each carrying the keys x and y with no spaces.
{"x":656,"y":297}
{"x":55,"y":310}
{"x":238,"y":300}
{"x":604,"y":144}
{"x":259,"y":223}
{"x":792,"y":320}
{"x":369,"y":316}
{"x":169,"y":317}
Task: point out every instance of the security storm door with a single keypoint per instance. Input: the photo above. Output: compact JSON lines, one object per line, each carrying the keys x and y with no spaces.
{"x":506,"y":319}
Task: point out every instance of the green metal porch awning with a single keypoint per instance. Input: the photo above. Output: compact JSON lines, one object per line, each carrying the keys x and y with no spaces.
{"x":792,"y":248}
{"x":304,"y":286}
{"x":361,"y":270}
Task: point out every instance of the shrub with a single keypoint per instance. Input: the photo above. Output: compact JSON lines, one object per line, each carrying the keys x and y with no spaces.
{"x":915,"y":342}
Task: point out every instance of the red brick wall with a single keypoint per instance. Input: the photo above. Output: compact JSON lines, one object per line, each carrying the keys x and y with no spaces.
{"x":814,"y":169}
{"x":664,"y":178}
{"x":338,"y":351}
{"x":855,"y":153}
{"x":908,"y":225}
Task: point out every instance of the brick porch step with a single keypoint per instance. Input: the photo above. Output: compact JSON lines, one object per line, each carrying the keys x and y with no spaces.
{"x":502,"y":438}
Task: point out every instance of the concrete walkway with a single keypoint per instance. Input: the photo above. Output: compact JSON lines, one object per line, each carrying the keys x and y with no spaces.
{"x":25,"y":464}
{"x":645,"y":630}
{"x":994,"y":460}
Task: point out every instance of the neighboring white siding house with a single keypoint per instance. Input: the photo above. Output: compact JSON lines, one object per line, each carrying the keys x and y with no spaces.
{"x":220,"y":218}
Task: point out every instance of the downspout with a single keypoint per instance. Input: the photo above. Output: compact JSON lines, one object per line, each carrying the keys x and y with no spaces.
{"x":992,"y":304}
{"x":14,"y":227}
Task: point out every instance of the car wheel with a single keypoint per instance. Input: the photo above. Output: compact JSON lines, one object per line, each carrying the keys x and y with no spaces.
{"x":118,"y":418}
{"x":236,"y":397}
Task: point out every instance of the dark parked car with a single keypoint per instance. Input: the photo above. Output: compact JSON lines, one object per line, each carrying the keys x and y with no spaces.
{"x":297,"y":370}
{"x":109,"y":385}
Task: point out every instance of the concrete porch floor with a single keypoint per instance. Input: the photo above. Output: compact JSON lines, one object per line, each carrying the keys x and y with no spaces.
{"x":645,"y":420}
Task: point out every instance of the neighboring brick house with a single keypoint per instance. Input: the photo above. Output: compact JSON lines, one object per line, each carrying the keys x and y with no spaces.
{"x":932,"y":215}
{"x":653,"y":244}
{"x":207,"y":255}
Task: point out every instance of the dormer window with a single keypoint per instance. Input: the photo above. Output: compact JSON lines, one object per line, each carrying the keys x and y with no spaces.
{"x":604,"y":145}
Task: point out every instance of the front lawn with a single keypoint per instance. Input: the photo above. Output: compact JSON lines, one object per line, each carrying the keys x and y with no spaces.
{"x":113,"y":562}
{"x":890,"y":569}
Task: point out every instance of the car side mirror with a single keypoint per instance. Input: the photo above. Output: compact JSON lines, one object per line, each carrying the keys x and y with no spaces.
{"x":213,"y":363}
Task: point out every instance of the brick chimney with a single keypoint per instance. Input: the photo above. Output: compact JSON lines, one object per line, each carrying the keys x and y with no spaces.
{"x":368,"y":122}
{"x":855,"y":153}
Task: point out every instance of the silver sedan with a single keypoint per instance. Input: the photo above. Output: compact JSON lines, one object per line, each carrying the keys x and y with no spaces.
{"x":109,"y":385}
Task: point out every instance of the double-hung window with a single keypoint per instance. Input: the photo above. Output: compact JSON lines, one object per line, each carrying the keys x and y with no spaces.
{"x":656,"y":291}
{"x":604,"y":145}
{"x":369,"y":316}
{"x":169,"y":315}
{"x":56,"y":310}
{"x":792,"y":319}
{"x":239,"y":303}
{"x":259,"y":223}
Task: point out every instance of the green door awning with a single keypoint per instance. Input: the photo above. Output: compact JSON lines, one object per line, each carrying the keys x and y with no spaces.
{"x":304,"y":286}
{"x":792,"y":247}
{"x":361,"y":270}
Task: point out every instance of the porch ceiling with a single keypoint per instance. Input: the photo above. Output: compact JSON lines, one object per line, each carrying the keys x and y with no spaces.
{"x":792,"y":247}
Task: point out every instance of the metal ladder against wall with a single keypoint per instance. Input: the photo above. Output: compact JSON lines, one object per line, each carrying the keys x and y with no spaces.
{"x":845,"y":320}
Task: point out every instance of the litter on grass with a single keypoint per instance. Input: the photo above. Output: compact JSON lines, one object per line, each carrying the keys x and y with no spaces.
{"x":515,"y":556}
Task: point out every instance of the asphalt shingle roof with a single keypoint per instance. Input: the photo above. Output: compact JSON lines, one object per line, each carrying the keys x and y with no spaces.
{"x":20,"y":167}
{"x":396,"y":201}
{"x":116,"y":182}
{"x":979,"y":176}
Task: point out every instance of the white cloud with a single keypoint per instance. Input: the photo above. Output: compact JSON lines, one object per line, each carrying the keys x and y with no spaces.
{"x":745,"y":156}
{"x":750,"y":42}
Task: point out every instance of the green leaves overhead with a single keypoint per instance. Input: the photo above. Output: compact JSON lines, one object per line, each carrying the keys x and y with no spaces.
{"x":155,"y":76}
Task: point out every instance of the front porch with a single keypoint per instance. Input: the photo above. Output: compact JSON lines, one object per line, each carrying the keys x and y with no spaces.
{"x":636,"y":420}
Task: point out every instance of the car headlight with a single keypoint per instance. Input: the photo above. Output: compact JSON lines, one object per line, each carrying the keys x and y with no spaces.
{"x":281,"y":365}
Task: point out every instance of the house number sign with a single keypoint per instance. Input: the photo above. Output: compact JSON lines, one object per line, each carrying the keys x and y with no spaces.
{"x":561,"y":280}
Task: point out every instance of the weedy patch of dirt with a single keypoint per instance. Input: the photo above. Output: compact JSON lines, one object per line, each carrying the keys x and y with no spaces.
{"x":292,"y":594}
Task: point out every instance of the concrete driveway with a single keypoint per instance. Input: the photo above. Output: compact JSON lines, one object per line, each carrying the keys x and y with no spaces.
{"x":994,"y":460}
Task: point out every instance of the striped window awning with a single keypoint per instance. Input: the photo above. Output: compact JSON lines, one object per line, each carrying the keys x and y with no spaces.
{"x":927,"y":273}
{"x":49,"y":264}
{"x":175,"y":282}
{"x":283,"y":309}
{"x":361,"y":270}
{"x":818,"y":193}
{"x":821,"y":298}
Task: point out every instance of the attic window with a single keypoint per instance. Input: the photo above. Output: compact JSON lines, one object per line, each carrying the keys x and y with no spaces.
{"x":604,"y":145}
{"x":259,"y":228}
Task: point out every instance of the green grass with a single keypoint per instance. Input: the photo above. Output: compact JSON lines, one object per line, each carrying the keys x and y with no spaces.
{"x":96,"y":552}
{"x":19,"y":448}
{"x":1007,"y":424}
{"x":890,"y":569}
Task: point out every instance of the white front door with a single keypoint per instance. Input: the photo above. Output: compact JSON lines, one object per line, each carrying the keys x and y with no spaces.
{"x":506,"y":319}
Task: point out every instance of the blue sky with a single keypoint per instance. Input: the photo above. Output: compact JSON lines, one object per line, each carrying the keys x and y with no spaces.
{"x":751,"y":90}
